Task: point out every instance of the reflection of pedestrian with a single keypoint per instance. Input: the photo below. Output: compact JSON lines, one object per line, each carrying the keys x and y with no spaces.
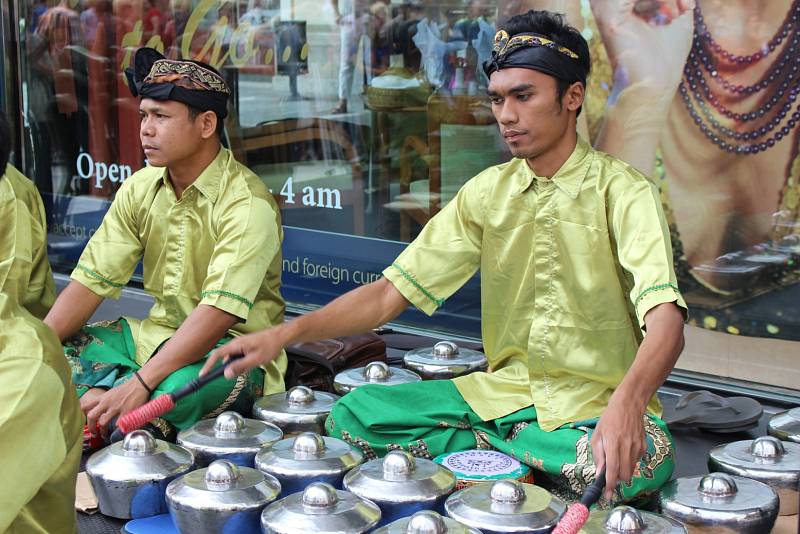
{"x":401,"y":31}
{"x":41,"y":116}
{"x":468,"y":28}
{"x":257,"y":14}
{"x":61,"y":38}
{"x":60,"y":27}
{"x":98,"y":29}
{"x":97,"y":12}
{"x":223,"y":28}
{"x":153,"y":23}
{"x":291,"y":49}
{"x":175,"y":27}
{"x":39,"y":9}
{"x":381,"y":51}
{"x":356,"y":24}
{"x":127,"y":15}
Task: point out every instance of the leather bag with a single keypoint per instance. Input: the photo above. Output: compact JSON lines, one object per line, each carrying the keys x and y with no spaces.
{"x":314,"y":364}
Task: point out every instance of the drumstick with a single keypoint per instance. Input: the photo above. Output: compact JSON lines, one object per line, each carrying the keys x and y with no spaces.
{"x":164,"y":403}
{"x":577,"y":513}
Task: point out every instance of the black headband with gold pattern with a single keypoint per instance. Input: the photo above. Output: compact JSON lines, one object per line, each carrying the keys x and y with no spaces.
{"x":535,"y":52}
{"x":191,"y":82}
{"x":186,"y":74}
{"x":504,"y":44}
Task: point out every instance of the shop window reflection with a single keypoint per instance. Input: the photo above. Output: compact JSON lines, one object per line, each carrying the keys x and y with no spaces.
{"x":378,"y":106}
{"x":328,"y":96}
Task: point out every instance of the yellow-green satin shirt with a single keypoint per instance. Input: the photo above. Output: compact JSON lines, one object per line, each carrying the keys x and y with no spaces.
{"x":569,"y":267}
{"x":41,"y":427}
{"x":25,"y":273}
{"x":219,"y":245}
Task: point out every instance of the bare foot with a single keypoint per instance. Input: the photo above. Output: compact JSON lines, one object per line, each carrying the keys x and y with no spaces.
{"x":341,"y":107}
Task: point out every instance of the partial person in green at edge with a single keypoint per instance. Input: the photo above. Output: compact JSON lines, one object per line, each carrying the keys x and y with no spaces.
{"x":208,"y":233}
{"x":581,"y":316}
{"x":25,"y":273}
{"x":40,"y":421}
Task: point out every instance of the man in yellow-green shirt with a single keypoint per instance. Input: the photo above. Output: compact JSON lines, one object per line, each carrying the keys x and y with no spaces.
{"x":40,"y":421}
{"x":40,"y":426}
{"x":208,"y":234}
{"x":576,"y":266}
{"x":25,"y":273}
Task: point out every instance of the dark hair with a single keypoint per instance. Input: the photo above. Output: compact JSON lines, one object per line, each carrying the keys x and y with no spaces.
{"x":194,"y":112}
{"x":5,"y":142}
{"x":554,"y":27}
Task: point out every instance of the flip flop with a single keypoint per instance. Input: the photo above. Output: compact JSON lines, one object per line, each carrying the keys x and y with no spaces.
{"x":706,"y":410}
{"x":733,"y":429}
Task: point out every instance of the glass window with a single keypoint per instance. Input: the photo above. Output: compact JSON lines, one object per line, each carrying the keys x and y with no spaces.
{"x":364,"y":117}
{"x":5,"y":57}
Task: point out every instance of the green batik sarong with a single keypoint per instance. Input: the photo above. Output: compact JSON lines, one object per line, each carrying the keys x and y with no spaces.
{"x":103,"y":355}
{"x":430,"y":418}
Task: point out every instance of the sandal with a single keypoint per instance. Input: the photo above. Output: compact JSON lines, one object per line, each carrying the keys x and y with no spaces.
{"x":705,"y":410}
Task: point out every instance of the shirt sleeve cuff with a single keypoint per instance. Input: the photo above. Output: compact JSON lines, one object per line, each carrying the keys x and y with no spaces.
{"x":652,"y":296}
{"x":228,"y":302}
{"x":98,"y":284}
{"x":412,"y":290}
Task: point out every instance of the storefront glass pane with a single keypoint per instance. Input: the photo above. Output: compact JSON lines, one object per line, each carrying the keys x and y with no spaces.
{"x":365,"y":117}
{"x":5,"y":55}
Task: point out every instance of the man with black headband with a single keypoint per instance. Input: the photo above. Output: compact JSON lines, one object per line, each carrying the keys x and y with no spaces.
{"x":575,"y":264}
{"x":208,"y":234}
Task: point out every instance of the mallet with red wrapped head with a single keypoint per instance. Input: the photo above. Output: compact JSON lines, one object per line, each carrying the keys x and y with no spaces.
{"x":164,"y":403}
{"x":577,"y":514}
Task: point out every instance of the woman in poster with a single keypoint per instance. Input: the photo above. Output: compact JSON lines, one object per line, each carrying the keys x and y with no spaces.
{"x":701,"y":96}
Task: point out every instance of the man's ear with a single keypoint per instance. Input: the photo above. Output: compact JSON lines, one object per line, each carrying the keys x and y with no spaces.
{"x":208,"y":124}
{"x":573,"y":98}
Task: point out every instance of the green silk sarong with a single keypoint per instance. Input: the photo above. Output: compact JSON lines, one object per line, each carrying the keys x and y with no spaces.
{"x":102,"y":355}
{"x":430,"y":418}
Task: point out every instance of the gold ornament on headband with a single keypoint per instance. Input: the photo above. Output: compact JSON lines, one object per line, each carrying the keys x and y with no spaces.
{"x":504,"y":44}
{"x":187,"y":75}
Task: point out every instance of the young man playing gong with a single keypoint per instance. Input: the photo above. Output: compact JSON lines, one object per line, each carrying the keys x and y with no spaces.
{"x":581,"y":316}
{"x":208,"y":234}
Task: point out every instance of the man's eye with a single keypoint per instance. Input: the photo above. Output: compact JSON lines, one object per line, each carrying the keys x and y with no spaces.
{"x":496,"y":101}
{"x":523,"y":97}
